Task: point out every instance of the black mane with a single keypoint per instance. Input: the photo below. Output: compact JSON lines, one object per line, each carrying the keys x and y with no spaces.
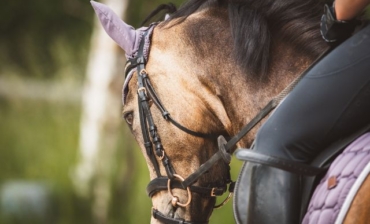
{"x":255,"y":24}
{"x":163,"y":8}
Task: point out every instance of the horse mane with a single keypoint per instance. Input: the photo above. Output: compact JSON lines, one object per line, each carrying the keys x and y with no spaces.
{"x":169,"y":8}
{"x":257,"y":24}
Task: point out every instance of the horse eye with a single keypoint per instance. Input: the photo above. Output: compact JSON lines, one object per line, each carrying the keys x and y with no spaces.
{"x":129,"y":118}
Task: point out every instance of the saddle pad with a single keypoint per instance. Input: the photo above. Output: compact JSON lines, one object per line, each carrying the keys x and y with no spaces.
{"x":333,"y":196}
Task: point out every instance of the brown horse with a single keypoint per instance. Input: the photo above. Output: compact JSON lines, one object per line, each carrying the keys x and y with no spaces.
{"x":213,"y":66}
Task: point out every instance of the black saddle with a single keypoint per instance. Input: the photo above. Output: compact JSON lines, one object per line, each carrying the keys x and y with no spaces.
{"x":308,"y":183}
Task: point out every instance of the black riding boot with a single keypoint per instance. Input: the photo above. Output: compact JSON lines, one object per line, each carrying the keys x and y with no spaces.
{"x":266,"y":195}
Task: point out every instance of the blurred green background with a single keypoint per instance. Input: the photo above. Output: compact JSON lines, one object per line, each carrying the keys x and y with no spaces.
{"x":44,"y":48}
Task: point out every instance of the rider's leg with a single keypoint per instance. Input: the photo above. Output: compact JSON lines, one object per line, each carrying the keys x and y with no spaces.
{"x":330,"y":102}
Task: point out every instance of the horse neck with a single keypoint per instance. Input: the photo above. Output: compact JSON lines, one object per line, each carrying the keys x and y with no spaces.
{"x":246,"y":97}
{"x":236,"y":97}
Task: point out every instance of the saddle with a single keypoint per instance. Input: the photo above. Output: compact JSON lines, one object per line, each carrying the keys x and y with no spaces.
{"x":335,"y":159}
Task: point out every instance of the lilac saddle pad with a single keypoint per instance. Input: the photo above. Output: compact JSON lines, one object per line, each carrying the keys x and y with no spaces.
{"x":333,"y":196}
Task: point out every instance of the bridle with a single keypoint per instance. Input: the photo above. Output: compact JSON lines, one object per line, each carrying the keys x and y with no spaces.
{"x":154,"y":148}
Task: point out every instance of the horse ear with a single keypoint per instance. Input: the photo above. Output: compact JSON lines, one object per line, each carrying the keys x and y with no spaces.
{"x":124,"y":35}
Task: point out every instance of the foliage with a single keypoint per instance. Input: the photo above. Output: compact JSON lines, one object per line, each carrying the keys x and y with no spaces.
{"x":38,"y":142}
{"x":43,"y":39}
{"x":140,"y":9}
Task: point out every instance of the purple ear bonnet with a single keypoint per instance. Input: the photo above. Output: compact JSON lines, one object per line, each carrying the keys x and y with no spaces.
{"x":124,"y":35}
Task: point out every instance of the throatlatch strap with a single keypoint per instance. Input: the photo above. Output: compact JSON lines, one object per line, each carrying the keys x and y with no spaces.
{"x":283,"y":164}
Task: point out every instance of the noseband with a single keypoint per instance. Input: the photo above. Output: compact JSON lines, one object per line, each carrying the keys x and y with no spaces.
{"x":155,"y":151}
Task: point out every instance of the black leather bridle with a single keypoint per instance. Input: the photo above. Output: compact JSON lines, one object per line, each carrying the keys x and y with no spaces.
{"x":154,"y":148}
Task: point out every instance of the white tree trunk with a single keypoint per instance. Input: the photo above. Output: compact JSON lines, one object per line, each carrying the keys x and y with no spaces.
{"x":100,"y":119}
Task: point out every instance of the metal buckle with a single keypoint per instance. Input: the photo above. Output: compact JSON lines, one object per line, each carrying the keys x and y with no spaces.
{"x":143,"y":71}
{"x":213,"y":192}
{"x":141,"y":89}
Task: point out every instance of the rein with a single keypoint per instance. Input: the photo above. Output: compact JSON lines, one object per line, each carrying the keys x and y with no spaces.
{"x":154,"y":147}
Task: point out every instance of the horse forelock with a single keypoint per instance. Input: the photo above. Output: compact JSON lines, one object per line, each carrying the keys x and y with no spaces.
{"x":256,"y":25}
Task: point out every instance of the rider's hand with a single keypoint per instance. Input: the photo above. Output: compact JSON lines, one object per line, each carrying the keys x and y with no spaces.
{"x":333,"y":30}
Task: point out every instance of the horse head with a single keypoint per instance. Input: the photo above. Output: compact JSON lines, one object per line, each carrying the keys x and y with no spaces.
{"x":179,"y":82}
{"x":184,"y":88}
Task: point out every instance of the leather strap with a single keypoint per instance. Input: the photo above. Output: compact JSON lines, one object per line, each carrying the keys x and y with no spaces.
{"x":147,"y":143}
{"x":221,"y":154}
{"x":166,"y":115}
{"x":158,"y":215}
{"x":139,"y":63}
{"x":283,"y":164}
{"x":160,"y":184}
